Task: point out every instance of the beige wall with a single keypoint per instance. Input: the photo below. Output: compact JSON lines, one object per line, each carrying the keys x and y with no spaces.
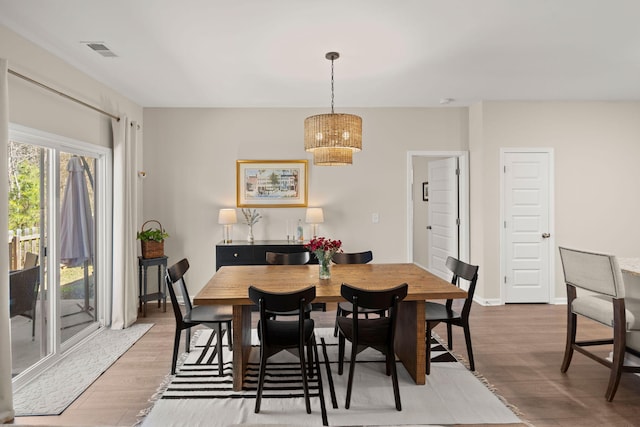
{"x":596,"y":149}
{"x":190,"y":158}
{"x":32,"y":106}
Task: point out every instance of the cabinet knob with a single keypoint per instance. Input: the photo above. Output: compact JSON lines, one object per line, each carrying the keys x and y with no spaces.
{"x":235,"y":255}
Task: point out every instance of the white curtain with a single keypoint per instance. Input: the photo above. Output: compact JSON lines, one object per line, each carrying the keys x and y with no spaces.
{"x":125,"y":224}
{"x":6,"y":389}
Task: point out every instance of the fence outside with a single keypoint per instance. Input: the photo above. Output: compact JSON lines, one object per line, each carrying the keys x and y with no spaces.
{"x":21,"y":242}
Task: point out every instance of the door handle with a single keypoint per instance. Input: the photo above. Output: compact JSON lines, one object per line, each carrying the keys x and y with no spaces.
{"x":428,"y":227}
{"x":546,"y":235}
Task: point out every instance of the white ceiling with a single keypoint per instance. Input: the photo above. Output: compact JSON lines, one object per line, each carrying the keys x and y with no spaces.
{"x":400,"y":53}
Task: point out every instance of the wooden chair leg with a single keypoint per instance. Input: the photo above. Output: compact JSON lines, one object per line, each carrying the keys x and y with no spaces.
{"x":261,"y":375}
{"x":176,"y":345}
{"x":394,"y":380}
{"x":218,"y":331}
{"x":352,"y":366}
{"x":467,"y":338}
{"x":335,"y":328}
{"x":310,"y":345}
{"x":619,"y":347}
{"x":187,"y":342}
{"x":428,"y":348}
{"x":571,"y":330}
{"x":303,"y":372}
{"x":229,"y":334}
{"x":449,"y":336}
{"x":341,"y":345}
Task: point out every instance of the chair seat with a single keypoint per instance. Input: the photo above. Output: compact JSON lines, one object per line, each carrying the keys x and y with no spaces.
{"x":209,"y":313}
{"x":285,"y":334}
{"x":347,"y":307}
{"x":600,"y":309}
{"x":436,"y":311}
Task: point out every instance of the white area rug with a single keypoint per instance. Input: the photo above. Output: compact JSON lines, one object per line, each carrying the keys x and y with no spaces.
{"x":197,"y":396}
{"x":52,"y":391}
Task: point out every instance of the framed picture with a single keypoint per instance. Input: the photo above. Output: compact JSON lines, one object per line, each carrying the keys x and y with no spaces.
{"x":271,"y":183}
{"x":425,"y":191}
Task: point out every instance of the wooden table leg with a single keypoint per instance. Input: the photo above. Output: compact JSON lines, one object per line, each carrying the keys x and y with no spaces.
{"x":410,"y":339}
{"x":241,"y":343}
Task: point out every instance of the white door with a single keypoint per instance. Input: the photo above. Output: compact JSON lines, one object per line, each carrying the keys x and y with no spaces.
{"x":443,"y":214}
{"x":527,"y":226}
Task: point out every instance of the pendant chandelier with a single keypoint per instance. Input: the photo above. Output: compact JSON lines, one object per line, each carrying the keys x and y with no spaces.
{"x":332,"y":138}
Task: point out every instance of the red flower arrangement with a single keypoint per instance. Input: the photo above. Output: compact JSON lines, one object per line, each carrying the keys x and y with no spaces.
{"x":324,"y":249}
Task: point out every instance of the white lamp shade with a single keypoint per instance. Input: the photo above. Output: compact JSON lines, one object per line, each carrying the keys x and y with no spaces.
{"x":314,"y":216}
{"x":227,"y":216}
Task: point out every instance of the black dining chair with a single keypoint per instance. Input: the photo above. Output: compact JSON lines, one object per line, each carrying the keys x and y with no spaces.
{"x":345,"y":308}
{"x":293,"y":258}
{"x":376,"y":333}
{"x":436,"y":312}
{"x":277,"y":335}
{"x":212,"y":316}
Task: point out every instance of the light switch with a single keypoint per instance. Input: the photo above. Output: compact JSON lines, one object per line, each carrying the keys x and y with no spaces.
{"x":375,"y":218}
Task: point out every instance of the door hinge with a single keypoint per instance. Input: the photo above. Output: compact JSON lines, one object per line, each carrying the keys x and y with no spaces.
{"x":505,"y":224}
{"x":458,"y":222}
{"x":505,"y":279}
{"x":458,"y":171}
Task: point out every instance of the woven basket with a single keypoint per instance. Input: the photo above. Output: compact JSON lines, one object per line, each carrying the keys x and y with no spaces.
{"x":151,"y":248}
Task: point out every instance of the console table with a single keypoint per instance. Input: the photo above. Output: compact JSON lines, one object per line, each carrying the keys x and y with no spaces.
{"x":241,"y":252}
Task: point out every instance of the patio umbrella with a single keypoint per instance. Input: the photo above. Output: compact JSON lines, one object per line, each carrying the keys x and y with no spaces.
{"x":76,"y":228}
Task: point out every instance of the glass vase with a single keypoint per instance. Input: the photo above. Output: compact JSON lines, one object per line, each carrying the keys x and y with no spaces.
{"x":250,"y":236}
{"x":325,"y":268}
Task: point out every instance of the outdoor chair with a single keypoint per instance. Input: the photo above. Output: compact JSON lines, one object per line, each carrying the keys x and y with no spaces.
{"x":212,"y":316}
{"x":277,"y":335}
{"x":605,"y":303}
{"x":436,"y":312}
{"x":23,"y":294}
{"x":376,"y":333}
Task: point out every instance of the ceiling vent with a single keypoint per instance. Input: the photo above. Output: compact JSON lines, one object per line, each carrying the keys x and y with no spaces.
{"x":100,"y":48}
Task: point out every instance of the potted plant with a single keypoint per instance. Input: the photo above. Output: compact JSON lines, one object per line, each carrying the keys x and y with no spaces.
{"x":152,"y":240}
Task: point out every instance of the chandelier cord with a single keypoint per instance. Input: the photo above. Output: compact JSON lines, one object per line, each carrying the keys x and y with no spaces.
{"x":331,"y":85}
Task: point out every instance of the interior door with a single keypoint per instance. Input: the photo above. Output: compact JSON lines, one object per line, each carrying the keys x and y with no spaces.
{"x":526,"y":227}
{"x":443,"y":213}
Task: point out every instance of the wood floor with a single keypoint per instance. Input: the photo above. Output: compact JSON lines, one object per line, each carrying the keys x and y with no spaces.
{"x":518,"y":349}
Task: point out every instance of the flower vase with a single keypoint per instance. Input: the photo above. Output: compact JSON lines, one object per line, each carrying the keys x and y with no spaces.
{"x":250,"y":236}
{"x":325,"y":268}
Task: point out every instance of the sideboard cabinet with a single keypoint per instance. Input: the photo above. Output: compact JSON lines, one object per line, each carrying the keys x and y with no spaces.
{"x":241,"y":252}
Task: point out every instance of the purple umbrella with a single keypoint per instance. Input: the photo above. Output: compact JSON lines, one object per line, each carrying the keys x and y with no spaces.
{"x":76,"y":228}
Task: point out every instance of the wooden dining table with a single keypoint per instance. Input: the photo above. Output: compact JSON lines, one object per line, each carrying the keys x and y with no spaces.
{"x":229,"y":286}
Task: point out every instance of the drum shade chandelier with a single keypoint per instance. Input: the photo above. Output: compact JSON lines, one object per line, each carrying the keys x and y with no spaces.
{"x":332,"y":138}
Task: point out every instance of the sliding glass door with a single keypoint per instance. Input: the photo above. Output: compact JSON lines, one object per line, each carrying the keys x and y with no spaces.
{"x":57,"y":210}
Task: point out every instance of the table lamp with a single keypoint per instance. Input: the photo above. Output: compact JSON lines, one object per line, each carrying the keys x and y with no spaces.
{"x":227,"y":217}
{"x":314,"y":217}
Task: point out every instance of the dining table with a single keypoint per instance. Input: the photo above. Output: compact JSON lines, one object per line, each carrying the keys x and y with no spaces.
{"x":229,"y":286}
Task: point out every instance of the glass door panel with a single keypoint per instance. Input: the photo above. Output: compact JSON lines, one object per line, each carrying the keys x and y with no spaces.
{"x":28,"y":304}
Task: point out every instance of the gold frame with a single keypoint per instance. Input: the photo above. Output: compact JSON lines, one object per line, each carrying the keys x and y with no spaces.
{"x":300,"y":201}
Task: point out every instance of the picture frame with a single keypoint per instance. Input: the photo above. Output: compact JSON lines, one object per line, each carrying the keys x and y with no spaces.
{"x":425,"y":191}
{"x":272,"y":183}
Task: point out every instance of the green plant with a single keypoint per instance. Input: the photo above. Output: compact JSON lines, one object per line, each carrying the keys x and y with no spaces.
{"x":154,"y":234}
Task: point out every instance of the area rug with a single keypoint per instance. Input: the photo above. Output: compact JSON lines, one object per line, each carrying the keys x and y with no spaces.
{"x":51,"y":392}
{"x":198,"y":396}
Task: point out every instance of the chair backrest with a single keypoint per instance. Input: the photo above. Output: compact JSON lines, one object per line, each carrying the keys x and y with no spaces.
{"x":385,"y":299}
{"x":23,"y":291}
{"x":281,"y":302}
{"x":353,"y":257}
{"x":468,"y":272}
{"x":592,"y":271}
{"x":30,"y":260}
{"x":175,"y":278}
{"x":294,"y":258}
